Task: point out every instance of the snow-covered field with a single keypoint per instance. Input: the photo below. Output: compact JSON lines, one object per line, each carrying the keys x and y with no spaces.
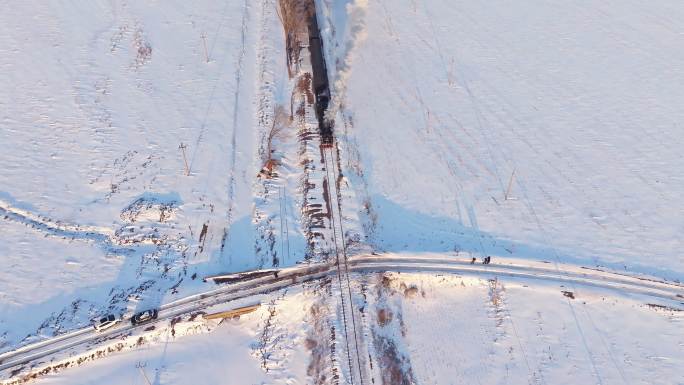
{"x":96,"y":100}
{"x":443,"y":100}
{"x":132,"y":135}
{"x":266,"y":346}
{"x":451,"y":330}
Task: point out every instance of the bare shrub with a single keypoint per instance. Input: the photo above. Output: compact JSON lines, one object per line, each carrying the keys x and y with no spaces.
{"x":281,"y":121}
{"x":384,"y":316}
{"x":268,"y":340}
{"x":411,"y":291}
{"x":142,"y":47}
{"x":278,"y":131}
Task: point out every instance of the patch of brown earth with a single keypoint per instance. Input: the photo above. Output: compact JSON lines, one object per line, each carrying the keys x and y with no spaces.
{"x":304,"y":87}
{"x":320,"y":339}
{"x":384,"y":316}
{"x":294,"y":16}
{"x":394,"y":366}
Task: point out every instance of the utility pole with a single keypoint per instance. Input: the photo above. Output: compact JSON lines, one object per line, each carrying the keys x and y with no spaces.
{"x":140,"y":367}
{"x":282,"y":233}
{"x":204,"y":41}
{"x":510,"y":184}
{"x":450,"y":73}
{"x":185,"y":159}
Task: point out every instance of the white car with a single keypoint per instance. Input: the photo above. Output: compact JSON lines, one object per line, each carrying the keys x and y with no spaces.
{"x":105,"y":322}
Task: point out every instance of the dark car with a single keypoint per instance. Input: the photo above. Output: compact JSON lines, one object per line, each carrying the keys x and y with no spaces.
{"x":144,"y":316}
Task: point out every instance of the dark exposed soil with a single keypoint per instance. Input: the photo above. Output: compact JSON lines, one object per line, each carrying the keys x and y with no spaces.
{"x":320,"y":339}
{"x":384,"y":316}
{"x":394,"y":367}
{"x":658,"y":307}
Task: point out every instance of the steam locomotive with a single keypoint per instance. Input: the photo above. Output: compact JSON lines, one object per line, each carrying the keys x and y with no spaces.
{"x":320,"y":82}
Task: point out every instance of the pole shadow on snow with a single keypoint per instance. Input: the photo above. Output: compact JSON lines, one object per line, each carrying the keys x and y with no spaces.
{"x":239,"y":252}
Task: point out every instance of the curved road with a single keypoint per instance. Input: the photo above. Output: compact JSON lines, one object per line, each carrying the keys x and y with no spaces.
{"x":253,"y":283}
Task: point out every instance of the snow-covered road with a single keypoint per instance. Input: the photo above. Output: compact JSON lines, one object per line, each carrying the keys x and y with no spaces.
{"x":571,"y":277}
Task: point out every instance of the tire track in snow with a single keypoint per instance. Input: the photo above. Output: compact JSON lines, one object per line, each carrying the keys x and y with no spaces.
{"x":55,"y":228}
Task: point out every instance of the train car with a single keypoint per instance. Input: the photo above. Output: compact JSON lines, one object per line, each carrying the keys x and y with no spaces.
{"x":321,"y":85}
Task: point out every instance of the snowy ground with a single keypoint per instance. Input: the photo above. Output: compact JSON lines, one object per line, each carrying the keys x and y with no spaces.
{"x":462,"y":330}
{"x":541,"y":131}
{"x":427,"y":329}
{"x":96,"y":209}
{"x":442,"y":101}
{"x":243,"y":350}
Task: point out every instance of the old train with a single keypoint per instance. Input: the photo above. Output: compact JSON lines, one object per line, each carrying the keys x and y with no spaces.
{"x":321,"y":85}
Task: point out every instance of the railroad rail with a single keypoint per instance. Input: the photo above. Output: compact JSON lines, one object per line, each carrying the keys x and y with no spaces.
{"x":670,"y":292}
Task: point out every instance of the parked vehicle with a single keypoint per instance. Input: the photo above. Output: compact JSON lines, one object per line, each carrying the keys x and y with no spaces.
{"x":144,"y":316}
{"x":106,"y":322}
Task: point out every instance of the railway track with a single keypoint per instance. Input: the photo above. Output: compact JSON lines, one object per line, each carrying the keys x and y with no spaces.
{"x":356,"y":368}
{"x":321,"y":90}
{"x":39,"y":353}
